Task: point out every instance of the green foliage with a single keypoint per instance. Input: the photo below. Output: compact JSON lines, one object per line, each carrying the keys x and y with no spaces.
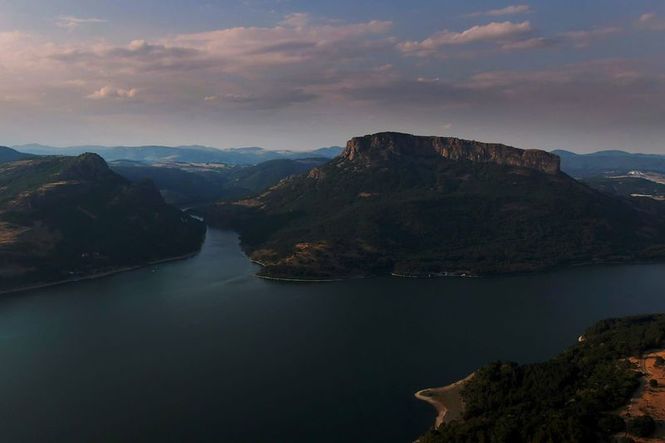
{"x":67,"y":217}
{"x":430,"y":216}
{"x":569,"y":398}
{"x":611,"y":424}
{"x":10,"y":155}
{"x":643,"y":426}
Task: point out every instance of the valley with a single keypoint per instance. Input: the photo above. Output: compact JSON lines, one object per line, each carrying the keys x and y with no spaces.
{"x":390,"y":205}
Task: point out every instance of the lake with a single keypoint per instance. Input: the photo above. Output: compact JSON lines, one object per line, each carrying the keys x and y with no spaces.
{"x":201,"y":350}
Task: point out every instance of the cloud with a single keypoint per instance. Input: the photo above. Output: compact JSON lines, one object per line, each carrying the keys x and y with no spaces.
{"x":109,"y":92}
{"x":307,"y":70}
{"x":246,"y":67}
{"x":652,"y":22}
{"x":295,"y":40}
{"x":577,"y":39}
{"x":530,"y":43}
{"x":71,"y":23}
{"x":508,"y":10}
{"x":492,"y":32}
{"x":584,"y":38}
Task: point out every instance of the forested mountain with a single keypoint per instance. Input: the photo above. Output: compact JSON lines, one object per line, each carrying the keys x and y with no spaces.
{"x":573,"y":397}
{"x":430,"y":206}
{"x":10,"y":155}
{"x":70,"y":217}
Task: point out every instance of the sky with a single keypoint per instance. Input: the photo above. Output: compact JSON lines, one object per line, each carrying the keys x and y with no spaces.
{"x":582,"y":75}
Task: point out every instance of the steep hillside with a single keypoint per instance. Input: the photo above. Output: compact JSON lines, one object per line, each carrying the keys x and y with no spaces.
{"x":10,"y":155}
{"x":419,"y":206}
{"x":68,"y":217}
{"x":573,"y":397}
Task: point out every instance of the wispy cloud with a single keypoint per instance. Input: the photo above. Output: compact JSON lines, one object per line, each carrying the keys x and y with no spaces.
{"x":651,"y":22}
{"x":508,"y":10}
{"x":576,"y":39}
{"x":530,"y":43}
{"x":583,"y":38}
{"x":70,"y":22}
{"x":109,"y":92}
{"x":492,"y":32}
{"x":241,"y":67}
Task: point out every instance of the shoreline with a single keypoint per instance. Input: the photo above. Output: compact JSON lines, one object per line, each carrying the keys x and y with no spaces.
{"x":447,"y":400}
{"x":395,"y":275}
{"x":297,"y":280}
{"x":456,"y":274}
{"x":431,"y":276}
{"x":98,"y":275}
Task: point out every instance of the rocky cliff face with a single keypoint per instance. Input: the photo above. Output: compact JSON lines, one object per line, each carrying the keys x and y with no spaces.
{"x":88,"y":167}
{"x":394,"y":145}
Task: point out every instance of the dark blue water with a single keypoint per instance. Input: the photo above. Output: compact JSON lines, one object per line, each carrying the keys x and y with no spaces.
{"x":203,"y":351}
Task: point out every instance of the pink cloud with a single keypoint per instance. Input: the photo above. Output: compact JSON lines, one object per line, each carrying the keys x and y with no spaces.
{"x":109,"y":92}
{"x":508,"y":10}
{"x":492,"y":32}
{"x":652,"y":22}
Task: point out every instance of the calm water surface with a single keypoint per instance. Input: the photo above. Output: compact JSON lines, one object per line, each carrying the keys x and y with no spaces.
{"x":202,"y":351}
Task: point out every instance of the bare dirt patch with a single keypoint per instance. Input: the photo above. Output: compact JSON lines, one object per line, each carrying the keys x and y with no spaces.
{"x":649,"y":399}
{"x":447,"y":401}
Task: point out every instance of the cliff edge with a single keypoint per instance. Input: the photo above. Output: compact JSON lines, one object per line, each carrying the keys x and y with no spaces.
{"x":392,"y":144}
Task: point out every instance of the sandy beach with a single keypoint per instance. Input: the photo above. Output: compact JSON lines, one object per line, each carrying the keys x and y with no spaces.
{"x":447,"y":401}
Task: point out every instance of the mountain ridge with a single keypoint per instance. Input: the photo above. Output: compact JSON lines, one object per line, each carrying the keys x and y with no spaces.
{"x":395,"y":143}
{"x":375,"y":211}
{"x":185,"y":154}
{"x":10,"y":155}
{"x":64,"y":218}
{"x":608,"y":162}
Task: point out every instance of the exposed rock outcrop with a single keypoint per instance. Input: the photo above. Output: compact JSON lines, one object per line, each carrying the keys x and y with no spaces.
{"x":88,"y":166}
{"x":392,"y":144}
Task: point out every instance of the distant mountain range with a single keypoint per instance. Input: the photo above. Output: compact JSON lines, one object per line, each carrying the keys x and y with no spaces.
{"x":190,"y":184}
{"x":419,"y":206}
{"x":181,"y":154}
{"x":10,"y":155}
{"x":608,"y":162}
{"x":576,"y":165}
{"x":65,"y":218}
